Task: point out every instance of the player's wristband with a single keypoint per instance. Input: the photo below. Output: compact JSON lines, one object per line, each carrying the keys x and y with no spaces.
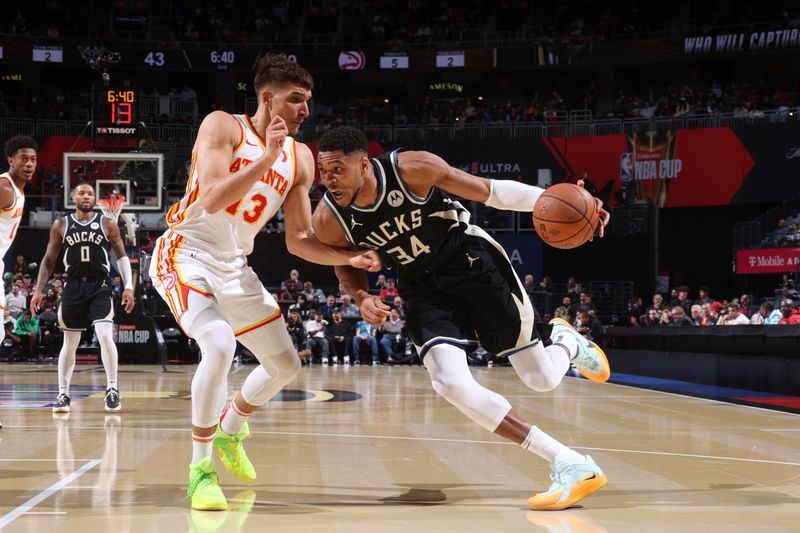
{"x":513,"y":196}
{"x":124,"y":267}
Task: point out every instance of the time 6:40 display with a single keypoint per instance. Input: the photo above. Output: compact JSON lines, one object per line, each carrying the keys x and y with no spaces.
{"x":226,"y":57}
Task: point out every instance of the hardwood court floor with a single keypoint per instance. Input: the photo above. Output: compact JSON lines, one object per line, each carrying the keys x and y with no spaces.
{"x":375,"y":450}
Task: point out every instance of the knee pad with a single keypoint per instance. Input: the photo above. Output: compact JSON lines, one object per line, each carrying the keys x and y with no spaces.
{"x":534,"y":368}
{"x":274,"y":373}
{"x":451,"y":379}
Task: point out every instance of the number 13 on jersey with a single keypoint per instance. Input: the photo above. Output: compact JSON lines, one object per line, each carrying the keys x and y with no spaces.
{"x":250,"y":216}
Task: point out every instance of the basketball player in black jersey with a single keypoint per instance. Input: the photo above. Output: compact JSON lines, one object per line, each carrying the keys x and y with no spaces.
{"x":458,"y":286}
{"x":87,"y":237}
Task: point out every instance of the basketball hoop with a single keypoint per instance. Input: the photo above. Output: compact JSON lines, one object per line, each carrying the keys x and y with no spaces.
{"x":111,"y":207}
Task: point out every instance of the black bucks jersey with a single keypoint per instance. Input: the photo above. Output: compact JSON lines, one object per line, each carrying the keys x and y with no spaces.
{"x":87,"y":292}
{"x":457,"y":283}
{"x":86,"y":248}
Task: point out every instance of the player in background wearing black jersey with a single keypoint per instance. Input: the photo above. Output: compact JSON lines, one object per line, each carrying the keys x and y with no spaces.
{"x":87,"y":237}
{"x":458,"y":286}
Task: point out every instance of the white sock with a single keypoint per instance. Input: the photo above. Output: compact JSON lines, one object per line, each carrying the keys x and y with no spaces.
{"x":108,"y":351}
{"x":66,"y":360}
{"x":549,"y":448}
{"x":201,"y":447}
{"x":567,"y":342}
{"x":232,"y":419}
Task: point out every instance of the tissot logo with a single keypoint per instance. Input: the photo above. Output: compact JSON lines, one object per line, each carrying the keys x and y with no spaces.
{"x":478,"y":168}
{"x":793,"y":153}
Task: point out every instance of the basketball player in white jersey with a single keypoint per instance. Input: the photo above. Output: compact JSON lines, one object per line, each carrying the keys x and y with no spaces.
{"x":21,"y":157}
{"x":243,"y":169}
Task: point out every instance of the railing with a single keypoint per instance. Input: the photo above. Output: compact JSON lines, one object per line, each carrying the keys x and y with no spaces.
{"x":558,"y":125}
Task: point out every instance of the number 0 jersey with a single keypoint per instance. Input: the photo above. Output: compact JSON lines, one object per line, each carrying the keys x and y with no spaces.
{"x":229,"y":233}
{"x":11,"y":217}
{"x":413,"y":234}
{"x":86,"y":248}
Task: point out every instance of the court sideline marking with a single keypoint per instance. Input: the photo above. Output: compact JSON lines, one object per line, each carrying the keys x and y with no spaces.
{"x":46,"y":493}
{"x":441,"y":439}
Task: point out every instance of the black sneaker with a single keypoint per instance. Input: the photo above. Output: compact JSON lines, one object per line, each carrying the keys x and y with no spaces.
{"x":62,"y":404}
{"x":113,"y":402}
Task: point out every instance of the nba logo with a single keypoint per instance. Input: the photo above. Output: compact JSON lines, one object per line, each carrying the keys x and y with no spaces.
{"x":626,"y":167}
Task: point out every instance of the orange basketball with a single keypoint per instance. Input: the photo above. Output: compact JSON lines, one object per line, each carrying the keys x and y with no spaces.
{"x":565,"y":216}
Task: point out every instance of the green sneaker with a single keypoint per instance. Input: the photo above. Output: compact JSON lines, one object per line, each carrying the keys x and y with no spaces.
{"x":204,"y":488}
{"x":231,"y":452}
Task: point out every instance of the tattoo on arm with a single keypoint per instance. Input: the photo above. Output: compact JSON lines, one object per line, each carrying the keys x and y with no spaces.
{"x":114,"y":237}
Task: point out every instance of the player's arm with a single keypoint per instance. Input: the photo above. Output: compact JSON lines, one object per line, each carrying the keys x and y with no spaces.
{"x":219,"y":134}
{"x":48,"y":263}
{"x":423,"y":170}
{"x":123,"y":262}
{"x":300,"y":237}
{"x":7,"y":194}
{"x":353,"y":280}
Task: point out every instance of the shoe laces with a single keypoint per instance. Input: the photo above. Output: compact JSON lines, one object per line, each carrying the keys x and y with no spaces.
{"x":202,"y":480}
{"x":112,"y":394}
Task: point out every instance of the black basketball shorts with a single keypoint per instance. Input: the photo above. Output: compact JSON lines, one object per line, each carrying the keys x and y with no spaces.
{"x":476,"y":298}
{"x":85,"y":302}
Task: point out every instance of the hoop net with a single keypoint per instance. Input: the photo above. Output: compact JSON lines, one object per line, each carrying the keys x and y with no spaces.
{"x":111,"y":207}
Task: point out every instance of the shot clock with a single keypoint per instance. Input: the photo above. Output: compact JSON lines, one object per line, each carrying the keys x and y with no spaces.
{"x":116,"y":111}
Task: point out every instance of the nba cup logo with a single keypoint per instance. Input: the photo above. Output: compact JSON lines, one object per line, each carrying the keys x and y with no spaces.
{"x":650,"y":163}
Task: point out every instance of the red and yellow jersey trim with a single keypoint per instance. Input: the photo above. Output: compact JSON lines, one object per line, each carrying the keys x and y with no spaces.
{"x":273,"y":317}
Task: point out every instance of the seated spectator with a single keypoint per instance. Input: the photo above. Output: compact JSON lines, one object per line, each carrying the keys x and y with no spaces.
{"x":8,"y":282}
{"x":546,"y":284}
{"x":350,"y":310}
{"x":565,"y":309}
{"x":27,"y":327}
{"x":301,"y":306}
{"x":529,"y":283}
{"x":665,"y":317}
{"x":696,"y":315}
{"x":328,"y":307}
{"x":389,"y":292}
{"x":400,"y":306}
{"x":27,"y":284}
{"x":780,"y":232}
{"x":16,"y":301}
{"x":293,"y":280}
{"x":651,"y":318}
{"x":585,"y":303}
{"x":11,"y":346}
{"x":316,"y":340}
{"x":682,"y":300}
{"x":704,"y":297}
{"x":764,"y":311}
{"x":658,"y":303}
{"x":313,"y":296}
{"x":634,"y":311}
{"x":587,"y":324}
{"x":340,"y":337}
{"x":297,"y":331}
{"x":49,"y":332}
{"x":380,"y":282}
{"x":21,"y":265}
{"x":573,"y":288}
{"x":790,"y":309}
{"x":290,"y":291}
{"x":365,"y":337}
{"x":734,"y":316}
{"x":679,"y":317}
{"x":393,"y":340}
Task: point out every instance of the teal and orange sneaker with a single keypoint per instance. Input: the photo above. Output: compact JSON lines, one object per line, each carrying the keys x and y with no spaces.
{"x":204,"y":488}
{"x":590,"y":360}
{"x":231,"y":452}
{"x":571,"y":483}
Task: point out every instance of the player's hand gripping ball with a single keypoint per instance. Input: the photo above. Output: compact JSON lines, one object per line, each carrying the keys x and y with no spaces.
{"x":566,"y":216}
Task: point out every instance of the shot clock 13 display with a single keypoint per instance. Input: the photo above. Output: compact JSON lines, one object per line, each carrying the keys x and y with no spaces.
{"x":117,"y":110}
